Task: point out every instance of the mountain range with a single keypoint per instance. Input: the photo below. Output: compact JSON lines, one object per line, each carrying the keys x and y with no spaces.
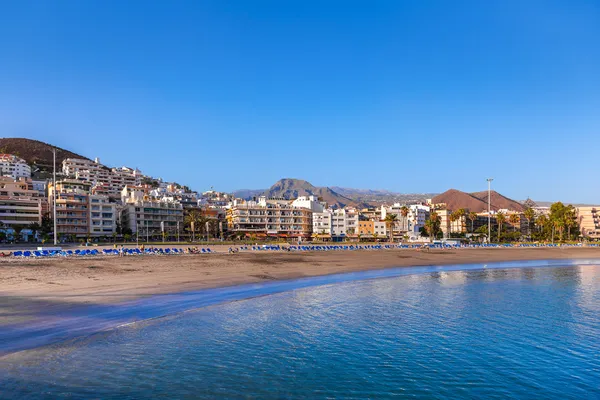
{"x":289,"y":188}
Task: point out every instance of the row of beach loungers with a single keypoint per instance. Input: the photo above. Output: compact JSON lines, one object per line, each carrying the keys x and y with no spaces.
{"x":95,"y":252}
{"x":165,"y":251}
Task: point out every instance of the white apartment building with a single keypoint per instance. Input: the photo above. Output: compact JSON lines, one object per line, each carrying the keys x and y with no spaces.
{"x":344,"y":222}
{"x":417,"y":216}
{"x":13,"y":166}
{"x":322,"y":222}
{"x":112,"y":180}
{"x":103,"y":216}
{"x":147,"y":216}
{"x":379,"y":228}
{"x":310,"y":202}
{"x":269,"y":217}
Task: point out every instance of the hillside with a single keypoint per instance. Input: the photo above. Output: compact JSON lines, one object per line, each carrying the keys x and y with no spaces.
{"x":35,"y":152}
{"x":293,"y":188}
{"x":477,"y":202}
{"x":375,"y":197}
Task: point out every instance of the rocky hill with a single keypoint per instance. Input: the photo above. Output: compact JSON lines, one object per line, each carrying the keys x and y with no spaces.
{"x":293,"y":188}
{"x":477,"y":202}
{"x":36,"y":153}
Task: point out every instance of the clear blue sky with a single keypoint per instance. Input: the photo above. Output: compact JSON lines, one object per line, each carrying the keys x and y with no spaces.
{"x":410,"y":96}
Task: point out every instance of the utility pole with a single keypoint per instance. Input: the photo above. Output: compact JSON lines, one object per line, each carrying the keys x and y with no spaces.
{"x":54,"y":194}
{"x":489,"y":181}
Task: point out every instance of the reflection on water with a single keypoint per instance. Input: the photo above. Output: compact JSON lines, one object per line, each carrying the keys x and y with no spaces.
{"x":518,"y":333}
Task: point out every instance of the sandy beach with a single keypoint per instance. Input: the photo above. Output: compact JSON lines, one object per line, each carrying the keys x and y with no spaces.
{"x":31,"y":287}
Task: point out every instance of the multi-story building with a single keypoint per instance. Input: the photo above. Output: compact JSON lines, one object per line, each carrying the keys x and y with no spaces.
{"x":102,"y":216}
{"x":379,"y":228}
{"x":366,"y":228}
{"x":270,"y":217}
{"x":344,"y":223}
{"x":13,"y":166}
{"x":401,"y":211}
{"x":20,"y":206}
{"x":148,"y":216}
{"x":72,"y":207}
{"x":111,"y":180}
{"x":588,"y":219}
{"x":322,"y":222}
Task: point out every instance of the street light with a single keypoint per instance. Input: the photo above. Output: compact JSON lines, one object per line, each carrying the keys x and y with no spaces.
{"x":489,"y":181}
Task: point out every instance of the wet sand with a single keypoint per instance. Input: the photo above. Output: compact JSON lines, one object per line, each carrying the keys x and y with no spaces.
{"x":30,"y":288}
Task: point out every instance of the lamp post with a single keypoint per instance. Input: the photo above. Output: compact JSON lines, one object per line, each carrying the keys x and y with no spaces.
{"x":489,"y":181}
{"x":54,"y":194}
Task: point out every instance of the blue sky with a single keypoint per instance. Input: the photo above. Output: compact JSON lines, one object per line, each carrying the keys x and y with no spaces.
{"x":410,"y":96}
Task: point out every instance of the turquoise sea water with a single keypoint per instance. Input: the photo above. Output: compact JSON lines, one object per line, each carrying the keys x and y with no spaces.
{"x":490,"y":333}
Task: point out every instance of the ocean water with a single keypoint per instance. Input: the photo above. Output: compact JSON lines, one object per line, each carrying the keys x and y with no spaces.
{"x":492,"y":333}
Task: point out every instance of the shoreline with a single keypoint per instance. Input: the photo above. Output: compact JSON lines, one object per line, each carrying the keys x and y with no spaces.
{"x":39,"y":317}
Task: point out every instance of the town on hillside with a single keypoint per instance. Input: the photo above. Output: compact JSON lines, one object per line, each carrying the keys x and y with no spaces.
{"x":97,"y":203}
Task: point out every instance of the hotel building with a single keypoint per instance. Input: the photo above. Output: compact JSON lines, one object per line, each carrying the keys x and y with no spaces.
{"x":72,"y":206}
{"x":13,"y":166}
{"x":147,"y":216}
{"x":20,"y":206}
{"x":589,"y":221}
{"x":270,"y":217}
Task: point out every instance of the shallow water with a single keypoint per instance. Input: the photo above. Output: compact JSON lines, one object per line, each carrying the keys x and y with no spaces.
{"x":491,"y":333}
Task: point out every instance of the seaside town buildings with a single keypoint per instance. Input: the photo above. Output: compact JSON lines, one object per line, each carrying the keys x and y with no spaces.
{"x":94,"y":201}
{"x":149,"y":216}
{"x":13,"y":166}
{"x":588,"y":219}
{"x":264,"y":217}
{"x":20,"y":206}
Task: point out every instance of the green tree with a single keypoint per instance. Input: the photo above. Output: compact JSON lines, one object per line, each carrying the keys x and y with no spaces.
{"x":432,"y":225}
{"x":390,"y":220}
{"x":473,"y":218}
{"x":529,"y":215}
{"x":404,"y":210}
{"x":500,"y":219}
{"x":514,"y":219}
{"x":34,"y":227}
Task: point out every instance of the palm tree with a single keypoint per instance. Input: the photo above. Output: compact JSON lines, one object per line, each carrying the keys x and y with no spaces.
{"x":390,"y":220}
{"x":541,"y":221}
{"x":34,"y":227}
{"x":193,"y":219}
{"x":453,"y":218}
{"x":529,"y":215}
{"x":432,"y":225}
{"x":514,"y":219}
{"x":17,"y":229}
{"x":460,"y":213}
{"x":500,"y":218}
{"x":473,"y":218}
{"x":404,"y":212}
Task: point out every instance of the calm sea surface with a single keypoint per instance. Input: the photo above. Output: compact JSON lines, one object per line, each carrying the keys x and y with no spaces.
{"x":495,"y":333}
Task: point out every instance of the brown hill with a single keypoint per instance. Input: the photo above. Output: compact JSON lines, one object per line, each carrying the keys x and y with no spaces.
{"x":292,"y":188}
{"x":499,"y":201}
{"x":35,"y":152}
{"x":477,"y":202}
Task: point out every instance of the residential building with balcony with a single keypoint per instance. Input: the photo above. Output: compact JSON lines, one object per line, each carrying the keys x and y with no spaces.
{"x":20,"y":206}
{"x":110,"y":180}
{"x":344,"y":223}
{"x":322,"y":222}
{"x":270,"y":218}
{"x":145,"y":215}
{"x":102,"y":215}
{"x":72,"y":207}
{"x":13,"y":166}
{"x":588,"y":219}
